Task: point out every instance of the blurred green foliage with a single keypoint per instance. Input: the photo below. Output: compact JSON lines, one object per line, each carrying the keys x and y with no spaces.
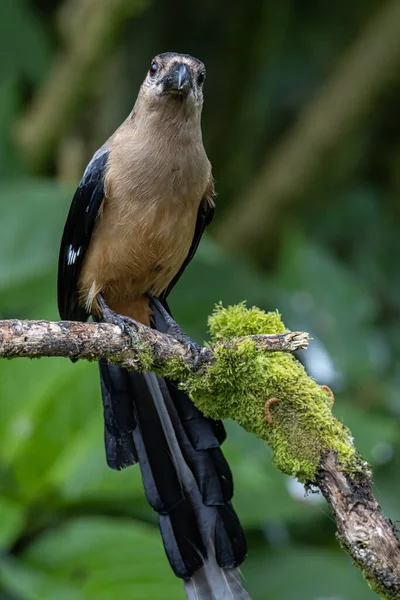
{"x":71,"y":529}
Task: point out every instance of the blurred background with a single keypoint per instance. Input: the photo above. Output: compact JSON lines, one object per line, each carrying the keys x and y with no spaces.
{"x":302,"y":125}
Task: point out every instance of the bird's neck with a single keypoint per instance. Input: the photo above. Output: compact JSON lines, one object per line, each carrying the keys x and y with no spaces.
{"x":169,"y":119}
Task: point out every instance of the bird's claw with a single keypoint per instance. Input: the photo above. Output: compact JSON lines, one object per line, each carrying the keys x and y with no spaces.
{"x":176,"y":331}
{"x":194,"y":349}
{"x":127,"y":325}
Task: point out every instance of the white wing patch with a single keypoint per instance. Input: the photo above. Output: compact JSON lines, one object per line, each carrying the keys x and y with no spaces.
{"x":73,"y":254}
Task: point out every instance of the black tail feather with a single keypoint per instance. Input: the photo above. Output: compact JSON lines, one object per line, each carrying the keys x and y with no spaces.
{"x":203,"y":433}
{"x":160,"y":478}
{"x":182,"y":540}
{"x":185,"y":475}
{"x":209,"y":467}
{"x":119,"y":420}
{"x":230,"y":541}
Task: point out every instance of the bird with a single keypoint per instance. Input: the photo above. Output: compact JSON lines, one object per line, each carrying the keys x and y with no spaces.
{"x":134,"y":224}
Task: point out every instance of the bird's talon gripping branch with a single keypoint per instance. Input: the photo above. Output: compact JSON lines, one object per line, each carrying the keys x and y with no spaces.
{"x":174,"y":330}
{"x":130,"y":328}
{"x":127,"y":325}
{"x":267,"y":410}
{"x":195,"y":351}
{"x":330,"y":393}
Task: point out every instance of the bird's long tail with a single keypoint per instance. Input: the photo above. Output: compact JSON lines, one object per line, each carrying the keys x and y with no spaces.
{"x":212,"y":582}
{"x":185,"y":475}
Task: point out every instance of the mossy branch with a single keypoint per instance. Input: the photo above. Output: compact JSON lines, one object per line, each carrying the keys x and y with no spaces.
{"x":247,"y":374}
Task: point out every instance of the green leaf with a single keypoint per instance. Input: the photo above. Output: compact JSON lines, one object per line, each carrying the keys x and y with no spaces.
{"x":51,"y":437}
{"x":34,"y":584}
{"x":105,"y":559}
{"x":32,"y":214}
{"x":53,"y":403}
{"x":12,"y":519}
{"x":81,"y":474}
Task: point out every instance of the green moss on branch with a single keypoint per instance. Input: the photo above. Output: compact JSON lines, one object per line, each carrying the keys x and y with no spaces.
{"x":242,"y":379}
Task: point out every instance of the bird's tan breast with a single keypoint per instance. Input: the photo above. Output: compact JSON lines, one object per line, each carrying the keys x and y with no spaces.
{"x":146,"y":225}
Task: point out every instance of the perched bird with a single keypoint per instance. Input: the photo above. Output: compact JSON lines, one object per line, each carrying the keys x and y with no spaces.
{"x":134,"y":225}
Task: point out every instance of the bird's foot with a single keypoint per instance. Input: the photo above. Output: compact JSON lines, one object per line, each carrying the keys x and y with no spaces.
{"x":127,"y":325}
{"x":176,"y":331}
{"x":193,"y":347}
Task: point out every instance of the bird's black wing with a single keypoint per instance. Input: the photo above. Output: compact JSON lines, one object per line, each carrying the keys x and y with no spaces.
{"x":77,"y":233}
{"x":204,"y":218}
{"x":118,"y":406}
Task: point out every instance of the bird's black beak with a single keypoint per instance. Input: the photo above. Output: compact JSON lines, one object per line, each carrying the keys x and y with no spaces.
{"x":178,"y":80}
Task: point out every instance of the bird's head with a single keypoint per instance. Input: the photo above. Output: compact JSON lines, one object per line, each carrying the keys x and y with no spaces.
{"x":175,"y":78}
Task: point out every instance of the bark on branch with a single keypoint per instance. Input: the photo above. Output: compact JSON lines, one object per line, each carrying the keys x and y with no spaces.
{"x":93,"y":341}
{"x":364,"y":532}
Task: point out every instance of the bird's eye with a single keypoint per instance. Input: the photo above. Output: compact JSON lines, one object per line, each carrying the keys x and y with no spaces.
{"x":153,"y":68}
{"x":201,"y":78}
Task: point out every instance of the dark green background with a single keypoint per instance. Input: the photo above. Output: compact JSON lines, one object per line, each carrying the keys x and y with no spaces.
{"x":327,"y":259}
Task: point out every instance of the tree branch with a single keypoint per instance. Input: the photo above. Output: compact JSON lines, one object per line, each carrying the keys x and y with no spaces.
{"x":148,"y":349}
{"x":367,"y":535}
{"x":307,"y":441}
